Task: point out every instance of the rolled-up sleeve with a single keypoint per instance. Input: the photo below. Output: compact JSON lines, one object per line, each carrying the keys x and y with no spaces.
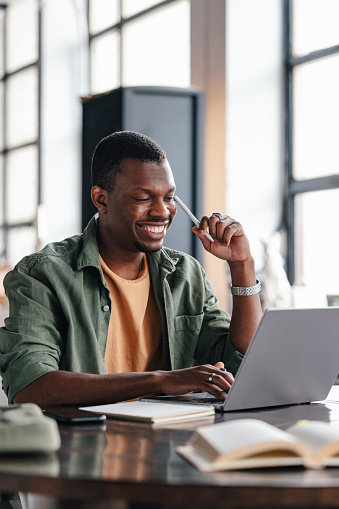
{"x":31,"y":343}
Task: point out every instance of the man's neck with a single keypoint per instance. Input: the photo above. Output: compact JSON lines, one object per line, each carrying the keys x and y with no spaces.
{"x":125,"y":266}
{"x":125,"y":263}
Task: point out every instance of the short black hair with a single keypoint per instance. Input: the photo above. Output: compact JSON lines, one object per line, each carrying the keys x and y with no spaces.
{"x":111,"y":150}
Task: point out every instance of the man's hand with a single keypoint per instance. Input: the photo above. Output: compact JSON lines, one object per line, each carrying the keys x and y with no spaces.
{"x":197,"y":378}
{"x":230,"y":242}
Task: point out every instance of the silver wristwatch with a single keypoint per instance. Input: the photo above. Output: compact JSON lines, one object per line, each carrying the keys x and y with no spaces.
{"x":246,"y":291}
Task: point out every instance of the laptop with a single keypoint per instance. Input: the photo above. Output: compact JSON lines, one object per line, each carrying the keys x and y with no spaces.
{"x":293,"y":358}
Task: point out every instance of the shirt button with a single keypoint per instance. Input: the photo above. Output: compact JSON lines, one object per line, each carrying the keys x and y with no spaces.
{"x":105,"y":308}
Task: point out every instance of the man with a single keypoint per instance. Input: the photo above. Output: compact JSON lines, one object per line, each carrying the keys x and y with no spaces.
{"x":112,"y":315}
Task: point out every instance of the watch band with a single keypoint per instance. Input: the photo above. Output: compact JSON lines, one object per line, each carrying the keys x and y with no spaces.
{"x":246,"y":291}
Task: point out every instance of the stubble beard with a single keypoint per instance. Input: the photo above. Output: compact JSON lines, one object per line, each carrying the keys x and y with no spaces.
{"x":143,"y":248}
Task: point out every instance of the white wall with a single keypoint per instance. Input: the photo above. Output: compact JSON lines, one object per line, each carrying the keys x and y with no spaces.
{"x":64,"y":81}
{"x":254,"y":116}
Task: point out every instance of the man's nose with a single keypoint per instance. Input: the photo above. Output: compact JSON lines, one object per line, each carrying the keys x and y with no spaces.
{"x":160,"y":209}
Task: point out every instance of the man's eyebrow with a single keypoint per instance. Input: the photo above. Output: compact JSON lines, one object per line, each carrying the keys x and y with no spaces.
{"x":143,"y":189}
{"x":149,"y":191}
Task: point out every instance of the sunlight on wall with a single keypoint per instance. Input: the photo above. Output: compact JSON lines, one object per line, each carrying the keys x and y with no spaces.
{"x":254,"y":122}
{"x":64,"y":81}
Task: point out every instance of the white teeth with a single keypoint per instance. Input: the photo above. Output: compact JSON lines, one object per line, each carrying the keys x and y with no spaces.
{"x":154,"y":229}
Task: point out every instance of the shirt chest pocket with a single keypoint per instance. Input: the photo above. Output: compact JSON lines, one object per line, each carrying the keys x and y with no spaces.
{"x":186,"y":334}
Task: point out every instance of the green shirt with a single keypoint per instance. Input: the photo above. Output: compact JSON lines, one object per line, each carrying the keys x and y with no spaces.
{"x":60,"y":310}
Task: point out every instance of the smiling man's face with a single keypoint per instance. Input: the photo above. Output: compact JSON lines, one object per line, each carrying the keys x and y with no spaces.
{"x":141,"y":207}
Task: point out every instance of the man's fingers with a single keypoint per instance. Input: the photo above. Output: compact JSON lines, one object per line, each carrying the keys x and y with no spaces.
{"x":198,"y":378}
{"x":218,"y":379}
{"x":222,"y":228}
{"x":233,"y":229}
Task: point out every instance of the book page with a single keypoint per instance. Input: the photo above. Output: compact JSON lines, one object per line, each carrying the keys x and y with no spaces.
{"x":322,"y":438}
{"x":242,"y":438}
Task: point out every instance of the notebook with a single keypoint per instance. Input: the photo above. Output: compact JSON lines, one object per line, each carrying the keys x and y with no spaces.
{"x":152,"y":412}
{"x":293,"y":358}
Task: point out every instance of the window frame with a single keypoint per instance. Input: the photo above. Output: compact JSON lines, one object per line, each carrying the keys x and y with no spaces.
{"x":295,"y":187}
{"x":6,"y":150}
{"x":118,"y":27}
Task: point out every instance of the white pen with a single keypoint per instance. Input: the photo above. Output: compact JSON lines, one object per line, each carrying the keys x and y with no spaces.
{"x":191,"y":216}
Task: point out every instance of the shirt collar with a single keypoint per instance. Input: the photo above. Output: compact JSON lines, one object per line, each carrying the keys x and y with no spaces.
{"x":89,"y":254}
{"x":164,"y":259}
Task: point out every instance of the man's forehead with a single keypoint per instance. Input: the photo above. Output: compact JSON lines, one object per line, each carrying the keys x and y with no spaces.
{"x":129,"y":163}
{"x":144,"y":174}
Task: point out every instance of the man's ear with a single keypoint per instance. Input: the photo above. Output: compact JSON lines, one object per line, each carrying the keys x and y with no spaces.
{"x":99,"y":198}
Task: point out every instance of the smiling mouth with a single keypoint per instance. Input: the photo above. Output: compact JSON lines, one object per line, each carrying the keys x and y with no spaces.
{"x":154,"y":229}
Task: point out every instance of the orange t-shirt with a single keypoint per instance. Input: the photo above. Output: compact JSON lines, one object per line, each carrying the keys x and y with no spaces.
{"x":134,"y":339}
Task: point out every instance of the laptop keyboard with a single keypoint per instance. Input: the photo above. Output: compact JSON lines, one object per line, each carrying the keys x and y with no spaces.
{"x":209,"y":401}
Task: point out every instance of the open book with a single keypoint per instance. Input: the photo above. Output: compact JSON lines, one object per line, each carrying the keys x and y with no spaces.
{"x":152,"y":412}
{"x":251,"y":443}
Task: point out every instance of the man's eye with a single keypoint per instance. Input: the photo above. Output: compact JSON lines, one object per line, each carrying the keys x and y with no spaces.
{"x":169,"y":198}
{"x":141,"y":199}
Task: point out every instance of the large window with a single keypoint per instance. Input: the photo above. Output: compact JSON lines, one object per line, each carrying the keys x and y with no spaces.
{"x":312,"y":204}
{"x":19,"y":129}
{"x":142,"y":42}
{"x":132,"y":42}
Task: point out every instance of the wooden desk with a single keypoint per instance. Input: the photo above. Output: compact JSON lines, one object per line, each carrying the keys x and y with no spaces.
{"x":126,"y":463}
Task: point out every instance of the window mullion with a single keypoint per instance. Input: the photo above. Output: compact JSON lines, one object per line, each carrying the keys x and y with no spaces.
{"x":289,"y":216}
